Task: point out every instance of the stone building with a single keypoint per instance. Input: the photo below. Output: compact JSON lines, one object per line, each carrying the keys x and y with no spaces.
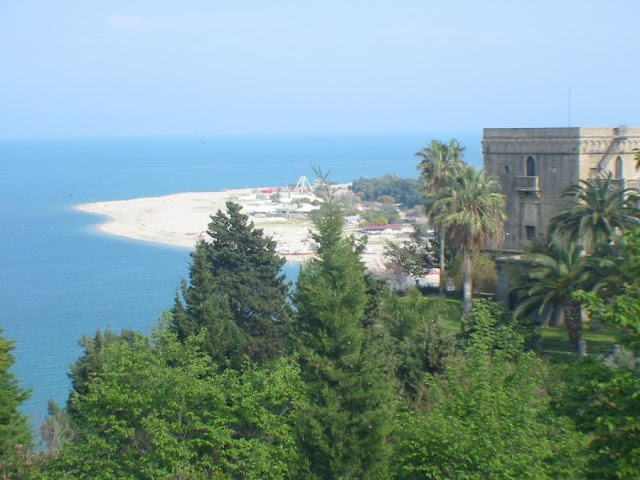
{"x":535,"y":165}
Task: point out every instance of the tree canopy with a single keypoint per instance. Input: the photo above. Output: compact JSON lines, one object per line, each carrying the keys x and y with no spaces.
{"x":15,"y":433}
{"x":551,"y":281}
{"x":599,"y":210}
{"x":161,"y":409}
{"x":237,"y":291}
{"x":440,"y":164}
{"x":489,"y":416}
{"x":405,"y":191}
{"x":472,"y":213}
{"x":345,"y":428}
{"x":353,"y":380}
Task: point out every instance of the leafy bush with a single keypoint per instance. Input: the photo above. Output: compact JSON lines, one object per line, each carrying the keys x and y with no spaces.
{"x":489,"y":416}
{"x":405,"y":191}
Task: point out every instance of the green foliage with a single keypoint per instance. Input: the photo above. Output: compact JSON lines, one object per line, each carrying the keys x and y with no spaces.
{"x":554,"y":339}
{"x":388,"y":199}
{"x":484,"y":274}
{"x":551,"y":281}
{"x":207,"y":310}
{"x":160,"y":409}
{"x":90,"y":363}
{"x":344,"y":428}
{"x":237,"y":293}
{"x":491,"y":322}
{"x":15,"y":434}
{"x":602,"y":396}
{"x":416,"y":326}
{"x":416,"y":255}
{"x":381,"y":215}
{"x":598,"y":211}
{"x":375,"y":291}
{"x":622,"y":310}
{"x":488,"y":416}
{"x":440,"y":164}
{"x":472,"y":214}
{"x":166,"y":406}
{"x":605,"y":269}
{"x":405,"y":191}
{"x":57,"y":429}
{"x":619,"y":304}
{"x":472,"y":211}
{"x":603,"y":400}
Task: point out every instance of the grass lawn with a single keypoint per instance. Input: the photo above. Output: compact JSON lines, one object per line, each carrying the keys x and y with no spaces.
{"x":555,"y":339}
{"x":450,"y":311}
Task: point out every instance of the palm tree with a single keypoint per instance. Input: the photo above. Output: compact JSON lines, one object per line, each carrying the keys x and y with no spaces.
{"x":439,"y":165}
{"x":606,"y":269}
{"x":549,"y":281}
{"x":473,"y":214}
{"x":599,"y":211}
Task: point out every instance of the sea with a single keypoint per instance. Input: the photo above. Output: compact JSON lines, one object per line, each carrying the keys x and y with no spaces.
{"x":61,"y":278}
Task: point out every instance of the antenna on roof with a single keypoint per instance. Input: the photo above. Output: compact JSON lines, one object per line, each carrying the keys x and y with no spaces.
{"x":569,"y":106}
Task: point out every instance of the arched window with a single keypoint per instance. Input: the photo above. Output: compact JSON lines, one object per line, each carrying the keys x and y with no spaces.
{"x":531,"y":166}
{"x":619,"y":168}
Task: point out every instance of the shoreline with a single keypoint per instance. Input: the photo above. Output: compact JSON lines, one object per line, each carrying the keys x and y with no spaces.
{"x":180,"y":219}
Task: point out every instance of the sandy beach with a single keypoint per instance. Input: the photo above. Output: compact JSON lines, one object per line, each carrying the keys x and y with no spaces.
{"x":181,"y":219}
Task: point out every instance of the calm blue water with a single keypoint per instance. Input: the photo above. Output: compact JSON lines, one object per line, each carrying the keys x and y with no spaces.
{"x":62,"y":279}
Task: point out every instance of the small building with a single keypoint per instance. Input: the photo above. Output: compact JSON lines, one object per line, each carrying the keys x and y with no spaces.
{"x":261,"y":210}
{"x":306,"y":208}
{"x":382,"y":229}
{"x":353,"y":220}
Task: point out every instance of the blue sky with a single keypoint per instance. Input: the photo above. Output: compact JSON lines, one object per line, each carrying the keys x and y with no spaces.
{"x":79,"y":68}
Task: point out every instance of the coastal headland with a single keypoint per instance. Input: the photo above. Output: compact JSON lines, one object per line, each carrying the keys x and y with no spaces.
{"x":181,"y":220}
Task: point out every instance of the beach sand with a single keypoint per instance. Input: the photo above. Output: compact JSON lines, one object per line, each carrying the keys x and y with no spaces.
{"x":181,"y":219}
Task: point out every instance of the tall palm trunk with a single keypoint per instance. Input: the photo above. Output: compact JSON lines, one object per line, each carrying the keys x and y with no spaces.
{"x":467,"y":282}
{"x":573,"y":320}
{"x":443,"y":278}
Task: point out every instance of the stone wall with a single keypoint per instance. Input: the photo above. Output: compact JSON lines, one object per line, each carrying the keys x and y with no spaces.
{"x":535,"y":165}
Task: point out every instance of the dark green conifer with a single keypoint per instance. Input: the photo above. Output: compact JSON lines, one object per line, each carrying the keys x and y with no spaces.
{"x":15,"y":435}
{"x":344,"y":428}
{"x":180,"y":322}
{"x":207,"y":309}
{"x":236,"y":291}
{"x":90,"y":363}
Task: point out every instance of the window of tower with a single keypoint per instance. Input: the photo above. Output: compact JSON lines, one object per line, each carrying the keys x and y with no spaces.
{"x":619,"y":168}
{"x":531,"y":166}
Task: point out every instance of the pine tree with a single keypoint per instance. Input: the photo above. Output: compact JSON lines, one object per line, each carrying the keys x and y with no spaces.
{"x":344,"y":428}
{"x":208,"y":309}
{"x":91,"y":362}
{"x":15,"y":435}
{"x":236,"y":291}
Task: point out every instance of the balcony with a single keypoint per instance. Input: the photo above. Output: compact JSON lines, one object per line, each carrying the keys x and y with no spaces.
{"x":633,"y":183}
{"x":528,"y":184}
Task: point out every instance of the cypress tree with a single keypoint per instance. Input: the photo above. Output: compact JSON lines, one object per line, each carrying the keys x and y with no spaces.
{"x":345,"y":426}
